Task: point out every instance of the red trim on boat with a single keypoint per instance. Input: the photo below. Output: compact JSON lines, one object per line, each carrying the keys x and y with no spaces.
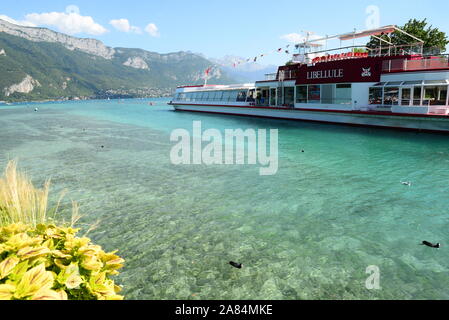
{"x":320,"y":121}
{"x":418,"y":70}
{"x":380,"y":113}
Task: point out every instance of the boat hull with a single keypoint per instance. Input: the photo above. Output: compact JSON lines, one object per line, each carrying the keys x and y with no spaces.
{"x":432,"y":123}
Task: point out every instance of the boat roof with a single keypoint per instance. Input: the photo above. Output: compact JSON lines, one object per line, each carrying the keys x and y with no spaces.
{"x":244,"y":86}
{"x":363,"y":34}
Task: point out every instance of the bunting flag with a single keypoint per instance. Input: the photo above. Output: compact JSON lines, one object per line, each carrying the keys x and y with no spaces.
{"x":207,"y":71}
{"x":280,"y":50}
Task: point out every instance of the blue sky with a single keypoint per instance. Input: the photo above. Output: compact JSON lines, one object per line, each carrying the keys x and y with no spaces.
{"x":244,"y":28}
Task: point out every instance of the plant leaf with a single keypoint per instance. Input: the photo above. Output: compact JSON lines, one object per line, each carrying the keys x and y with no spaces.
{"x":28,"y":252}
{"x":47,"y":294}
{"x":7,"y":265}
{"x":6,"y":291}
{"x":34,"y":280}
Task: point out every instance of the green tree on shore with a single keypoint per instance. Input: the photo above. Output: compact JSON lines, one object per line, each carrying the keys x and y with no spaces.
{"x":432,"y":37}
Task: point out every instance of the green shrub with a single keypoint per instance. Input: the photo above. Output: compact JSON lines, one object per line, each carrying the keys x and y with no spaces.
{"x":41,"y":261}
{"x":47,"y":262}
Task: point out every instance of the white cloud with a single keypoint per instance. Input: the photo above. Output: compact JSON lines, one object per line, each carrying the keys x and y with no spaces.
{"x":19,"y":23}
{"x":124,"y":26}
{"x":70,"y":23}
{"x":152,"y":30}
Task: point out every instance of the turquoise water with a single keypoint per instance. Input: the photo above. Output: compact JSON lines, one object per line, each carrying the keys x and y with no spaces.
{"x":308,"y":232}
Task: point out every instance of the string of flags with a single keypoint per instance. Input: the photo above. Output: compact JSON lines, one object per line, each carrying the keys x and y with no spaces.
{"x":285,"y":49}
{"x":280,"y":50}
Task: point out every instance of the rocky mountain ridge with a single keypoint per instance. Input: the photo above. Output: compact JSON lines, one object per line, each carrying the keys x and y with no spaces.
{"x":90,"y":46}
{"x":36,"y":63}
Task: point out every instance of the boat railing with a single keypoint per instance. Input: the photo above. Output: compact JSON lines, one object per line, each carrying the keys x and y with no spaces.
{"x":420,"y":63}
{"x":396,"y":50}
{"x":282,"y":75}
{"x":357,"y":51}
{"x":270,"y":76}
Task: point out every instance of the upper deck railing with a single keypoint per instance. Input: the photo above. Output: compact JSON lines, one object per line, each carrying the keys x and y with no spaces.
{"x":271,"y":77}
{"x":420,"y":63}
{"x":282,"y":75}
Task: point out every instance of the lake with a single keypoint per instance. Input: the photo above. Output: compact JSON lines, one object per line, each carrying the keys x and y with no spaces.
{"x":308,"y":232}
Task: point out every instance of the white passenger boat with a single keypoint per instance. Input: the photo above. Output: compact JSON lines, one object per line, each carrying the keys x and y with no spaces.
{"x":390,"y":86}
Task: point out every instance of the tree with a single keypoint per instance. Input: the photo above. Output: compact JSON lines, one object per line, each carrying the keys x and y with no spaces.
{"x":432,"y":37}
{"x":359,"y":50}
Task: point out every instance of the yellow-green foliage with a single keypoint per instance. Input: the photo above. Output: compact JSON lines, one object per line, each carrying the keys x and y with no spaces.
{"x":47,"y":262}
{"x":41,"y":261}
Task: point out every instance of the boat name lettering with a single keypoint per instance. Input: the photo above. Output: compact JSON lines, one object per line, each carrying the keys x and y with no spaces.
{"x":325,"y":74}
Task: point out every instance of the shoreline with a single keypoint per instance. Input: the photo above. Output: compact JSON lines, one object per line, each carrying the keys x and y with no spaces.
{"x":7,"y":103}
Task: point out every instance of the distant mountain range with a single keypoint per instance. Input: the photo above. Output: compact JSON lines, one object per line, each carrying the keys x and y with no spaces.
{"x":244,"y":71}
{"x":41,"y":64}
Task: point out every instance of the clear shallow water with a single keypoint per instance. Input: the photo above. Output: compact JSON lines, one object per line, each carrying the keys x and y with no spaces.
{"x":308,"y":232}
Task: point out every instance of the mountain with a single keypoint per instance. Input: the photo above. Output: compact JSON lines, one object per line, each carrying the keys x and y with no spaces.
{"x":41,"y":64}
{"x":244,"y":71}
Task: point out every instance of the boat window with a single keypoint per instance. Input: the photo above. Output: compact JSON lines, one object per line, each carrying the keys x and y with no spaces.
{"x":251,"y":96}
{"x":375,"y":95}
{"x":343,"y":93}
{"x":406,"y":96}
{"x":435,"y":82}
{"x":264,"y":97}
{"x":289,"y":96}
{"x":314,"y":94}
{"x":241,"y":97}
{"x":391,"y":96}
{"x":273,"y":96}
{"x":226,"y":96}
{"x":233,"y":95}
{"x":417,"y":96}
{"x":301,"y":94}
{"x":182,"y":96}
{"x":327,"y":93}
{"x":410,"y":83}
{"x":280,"y":95}
{"x":394,"y":83}
{"x":219,"y":96}
{"x":435,"y":96}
